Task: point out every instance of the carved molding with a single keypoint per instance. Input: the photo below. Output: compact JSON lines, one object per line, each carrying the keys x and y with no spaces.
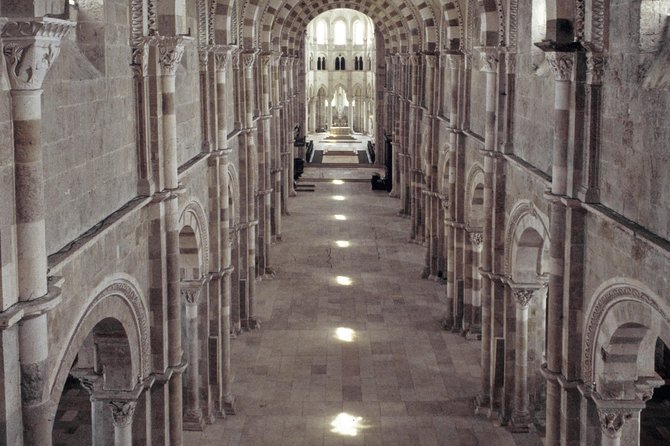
{"x":612,"y":420}
{"x":122,"y":412}
{"x":136,"y":21}
{"x":597,"y":24}
{"x":561,"y":64}
{"x":513,"y":25}
{"x":30,"y":48}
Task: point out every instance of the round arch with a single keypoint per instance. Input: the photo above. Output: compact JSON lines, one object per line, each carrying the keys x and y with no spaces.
{"x":623,"y":307}
{"x":524,"y":216}
{"x":117,"y":298}
{"x":193,"y":215}
{"x":472,"y":196}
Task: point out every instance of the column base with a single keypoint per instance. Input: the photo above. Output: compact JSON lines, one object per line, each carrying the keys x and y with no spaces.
{"x":230,"y":405}
{"x":482,"y":406}
{"x":292,"y":193}
{"x":393,"y":194}
{"x":474,"y":333}
{"x":251,"y":324}
{"x":193,"y":420}
{"x":447,"y":324}
{"x":520,"y":423}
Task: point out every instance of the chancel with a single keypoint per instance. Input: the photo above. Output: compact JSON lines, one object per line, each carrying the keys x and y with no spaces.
{"x":191,"y":251}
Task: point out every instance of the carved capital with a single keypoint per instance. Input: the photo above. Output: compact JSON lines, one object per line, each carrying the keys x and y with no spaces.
{"x":248,"y":59}
{"x":139,"y":60}
{"x":523,"y":296}
{"x":431,"y":60}
{"x":30,"y":47}
{"x":595,"y":67}
{"x":190,"y":291}
{"x":122,"y":412}
{"x":170,"y":52}
{"x":477,"y":238}
{"x":454,"y":61}
{"x":221,"y":58}
{"x":489,"y":59}
{"x":612,"y":421}
{"x":561,"y":64}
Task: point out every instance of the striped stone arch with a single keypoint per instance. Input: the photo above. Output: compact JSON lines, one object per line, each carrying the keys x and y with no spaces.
{"x":453,"y":37}
{"x":624,"y":320}
{"x":561,"y":20}
{"x":250,"y":16}
{"x":233,"y":182}
{"x":193,"y":215}
{"x":118,"y":297}
{"x":225,"y":21}
{"x":492,"y":23}
{"x":524,"y":215}
{"x":283,"y":23}
{"x":392,"y":25}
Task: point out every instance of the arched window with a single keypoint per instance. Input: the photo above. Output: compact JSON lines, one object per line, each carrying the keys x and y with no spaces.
{"x":337,"y":64}
{"x":323,"y":63}
{"x":318,"y":63}
{"x":321,"y":32}
{"x":358,"y":33}
{"x":340,"y":33}
{"x":343,"y":65}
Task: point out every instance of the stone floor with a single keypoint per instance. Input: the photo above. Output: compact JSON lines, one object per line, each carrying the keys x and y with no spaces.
{"x":350,"y":349}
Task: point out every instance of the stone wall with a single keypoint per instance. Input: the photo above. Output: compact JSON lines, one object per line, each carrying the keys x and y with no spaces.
{"x":89,"y":134}
{"x":635,"y":130}
{"x":187,"y":103}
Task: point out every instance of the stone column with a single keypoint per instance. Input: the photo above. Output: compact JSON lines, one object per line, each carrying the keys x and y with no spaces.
{"x":522,"y":293}
{"x":249,"y":169}
{"x":475,"y":330}
{"x":122,"y":415}
{"x":489,"y":58}
{"x":193,"y":419}
{"x":265,"y":167}
{"x":562,"y":66}
{"x":30,"y":47}
{"x":589,"y":188}
{"x":170,"y":51}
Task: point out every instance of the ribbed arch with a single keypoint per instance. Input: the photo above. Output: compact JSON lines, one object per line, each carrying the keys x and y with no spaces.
{"x":285,"y":22}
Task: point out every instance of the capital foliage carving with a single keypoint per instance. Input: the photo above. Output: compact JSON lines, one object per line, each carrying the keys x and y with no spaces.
{"x":30,"y":48}
{"x":190,"y":292}
{"x":561,"y":64}
{"x":221,"y":59}
{"x":477,"y":238}
{"x":523,"y":296}
{"x":122,"y":412}
{"x":248,"y":59}
{"x":612,"y":421}
{"x":170,"y":52}
{"x":489,"y":59}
